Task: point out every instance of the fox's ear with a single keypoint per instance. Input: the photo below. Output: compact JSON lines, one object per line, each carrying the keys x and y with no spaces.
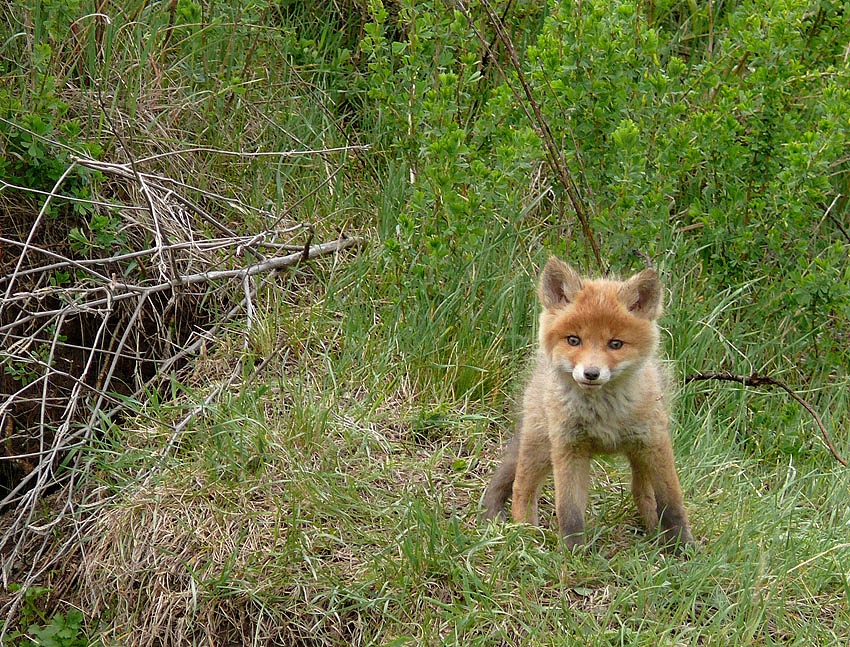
{"x":559,"y":284}
{"x":641,"y":294}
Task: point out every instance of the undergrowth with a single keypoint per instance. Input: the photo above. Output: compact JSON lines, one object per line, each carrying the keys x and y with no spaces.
{"x":332,"y":499}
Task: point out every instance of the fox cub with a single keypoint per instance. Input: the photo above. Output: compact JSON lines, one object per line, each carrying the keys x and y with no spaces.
{"x":596,"y":387}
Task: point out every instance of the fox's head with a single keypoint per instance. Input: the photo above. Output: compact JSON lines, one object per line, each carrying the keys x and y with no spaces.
{"x":597,"y":330}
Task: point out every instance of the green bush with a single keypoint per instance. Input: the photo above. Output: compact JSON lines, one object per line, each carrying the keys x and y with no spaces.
{"x":709,"y":142}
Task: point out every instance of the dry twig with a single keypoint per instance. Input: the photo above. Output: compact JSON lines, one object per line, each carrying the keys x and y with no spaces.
{"x":761,"y":380}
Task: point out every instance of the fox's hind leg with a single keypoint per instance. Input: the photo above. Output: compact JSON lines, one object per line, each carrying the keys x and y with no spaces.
{"x":500,"y":488}
{"x":533,"y":463}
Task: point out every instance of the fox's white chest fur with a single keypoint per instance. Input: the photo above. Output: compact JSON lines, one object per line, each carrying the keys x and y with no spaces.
{"x":607,"y":419}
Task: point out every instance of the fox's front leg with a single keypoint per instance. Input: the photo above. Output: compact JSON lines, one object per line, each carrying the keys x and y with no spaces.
{"x":533,"y":463}
{"x":643,"y":491}
{"x":654,"y":470}
{"x":571,"y":467}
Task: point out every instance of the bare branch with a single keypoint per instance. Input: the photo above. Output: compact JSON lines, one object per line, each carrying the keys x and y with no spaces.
{"x":761,"y":380}
{"x":217,"y":151}
{"x":132,"y":291}
{"x":32,"y":232}
{"x":69,"y":198}
{"x":211,"y":244}
{"x":646,"y":257}
{"x":81,"y":349}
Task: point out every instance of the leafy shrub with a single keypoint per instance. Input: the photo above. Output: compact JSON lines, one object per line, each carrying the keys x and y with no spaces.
{"x":715,"y":141}
{"x":55,"y":629}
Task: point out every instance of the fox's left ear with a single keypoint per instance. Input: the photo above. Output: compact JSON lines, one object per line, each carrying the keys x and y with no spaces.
{"x":641,"y":294}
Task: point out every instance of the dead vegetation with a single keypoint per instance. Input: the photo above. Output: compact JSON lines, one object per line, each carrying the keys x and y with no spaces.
{"x":312,"y":475}
{"x":95,"y":322}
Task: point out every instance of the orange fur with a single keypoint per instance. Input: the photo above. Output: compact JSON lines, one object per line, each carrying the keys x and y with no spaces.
{"x":597,"y":387}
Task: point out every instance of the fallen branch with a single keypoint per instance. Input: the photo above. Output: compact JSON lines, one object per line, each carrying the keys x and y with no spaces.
{"x":84,"y":339}
{"x":212,"y":244}
{"x":761,"y":380}
{"x":119,"y":291}
{"x":280,"y":154}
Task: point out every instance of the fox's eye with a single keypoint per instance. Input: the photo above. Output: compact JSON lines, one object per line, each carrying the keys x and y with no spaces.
{"x":615,"y":344}
{"x":572,"y":340}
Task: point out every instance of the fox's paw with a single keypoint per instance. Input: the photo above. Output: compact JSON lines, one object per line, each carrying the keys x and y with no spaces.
{"x":497,"y":512}
{"x":573,"y":543}
{"x":681,"y":544}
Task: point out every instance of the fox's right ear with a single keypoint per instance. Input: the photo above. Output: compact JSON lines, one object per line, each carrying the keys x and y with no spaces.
{"x":559,"y":284}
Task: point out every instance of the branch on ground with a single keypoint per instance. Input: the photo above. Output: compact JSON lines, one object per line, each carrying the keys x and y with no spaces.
{"x":762,"y":380}
{"x":86,"y":332}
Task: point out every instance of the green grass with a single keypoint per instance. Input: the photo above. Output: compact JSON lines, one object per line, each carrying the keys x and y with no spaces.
{"x":332,"y":499}
{"x":344,"y":488}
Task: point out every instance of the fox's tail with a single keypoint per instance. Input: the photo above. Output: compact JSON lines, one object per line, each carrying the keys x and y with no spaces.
{"x":501,"y":487}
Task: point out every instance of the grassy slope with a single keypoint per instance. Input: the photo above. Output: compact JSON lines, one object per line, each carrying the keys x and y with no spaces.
{"x":333,"y":500}
{"x":339,"y":506}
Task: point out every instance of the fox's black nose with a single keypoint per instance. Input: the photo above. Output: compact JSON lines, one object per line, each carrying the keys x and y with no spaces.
{"x":591,"y":373}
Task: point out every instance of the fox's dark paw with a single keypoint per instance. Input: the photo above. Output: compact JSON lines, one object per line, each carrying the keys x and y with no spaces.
{"x":572,"y":544}
{"x":495,"y":512}
{"x":679,"y":545}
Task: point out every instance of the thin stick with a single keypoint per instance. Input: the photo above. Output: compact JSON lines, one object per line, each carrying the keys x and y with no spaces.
{"x":122,"y":171}
{"x":211,"y":244}
{"x":835,"y":220}
{"x":70,"y":198}
{"x":248,"y":288}
{"x":66,"y":262}
{"x":217,"y":151}
{"x":52,"y":142}
{"x":538,"y":122}
{"x":33,"y":229}
{"x":760,"y":380}
{"x":646,"y":257}
{"x":816,"y":557}
{"x":166,"y":259}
